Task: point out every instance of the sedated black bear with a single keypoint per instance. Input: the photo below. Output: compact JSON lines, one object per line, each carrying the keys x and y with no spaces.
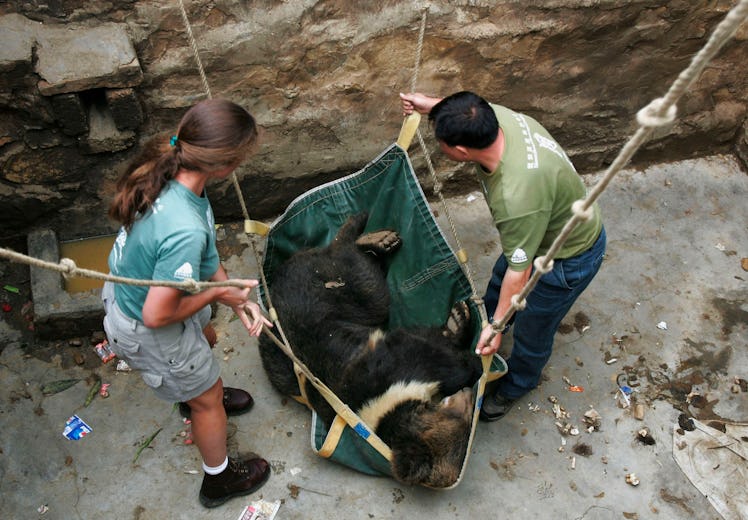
{"x":411,"y":386}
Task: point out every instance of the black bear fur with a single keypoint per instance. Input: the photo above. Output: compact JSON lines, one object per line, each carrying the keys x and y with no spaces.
{"x":333,"y":303}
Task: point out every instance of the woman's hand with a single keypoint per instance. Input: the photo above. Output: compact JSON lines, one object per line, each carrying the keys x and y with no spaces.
{"x":254,"y":326}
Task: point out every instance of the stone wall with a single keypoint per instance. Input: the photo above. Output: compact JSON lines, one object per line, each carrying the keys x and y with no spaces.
{"x":84,"y":82}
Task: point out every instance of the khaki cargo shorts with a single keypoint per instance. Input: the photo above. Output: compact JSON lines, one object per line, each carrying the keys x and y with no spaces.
{"x":175,"y":361}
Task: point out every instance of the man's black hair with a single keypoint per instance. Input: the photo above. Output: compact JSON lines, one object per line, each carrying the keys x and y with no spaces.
{"x":464,"y":119}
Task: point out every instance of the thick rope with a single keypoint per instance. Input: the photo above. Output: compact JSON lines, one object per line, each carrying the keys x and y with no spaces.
{"x":67,"y":267}
{"x":659,"y":112}
{"x":462,"y":256}
{"x":234,"y":179}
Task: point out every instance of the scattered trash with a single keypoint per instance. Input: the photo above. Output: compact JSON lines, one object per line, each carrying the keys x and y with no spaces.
{"x":7,"y":307}
{"x":122,"y":366}
{"x":58,"y":386}
{"x":575,"y":388}
{"x":10,"y":288}
{"x":471,"y":198}
{"x":145,"y":444}
{"x":191,"y":471}
{"x":720,"y":247}
{"x":104,"y":352}
{"x":744,"y":264}
{"x":592,"y":419}
{"x":632,"y":479}
{"x":610,"y":361}
{"x":76,"y":428}
{"x":638,"y":411}
{"x":645,"y":437}
{"x":662,"y":325}
{"x":533,"y":407}
{"x":624,"y":391}
{"x":104,"y":390}
{"x":260,"y":510}
{"x":573,"y":463}
{"x":95,"y":387}
{"x":42,"y":509}
{"x":295,"y":471}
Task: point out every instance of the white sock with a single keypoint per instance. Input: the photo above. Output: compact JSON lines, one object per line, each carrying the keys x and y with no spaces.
{"x":217,"y":469}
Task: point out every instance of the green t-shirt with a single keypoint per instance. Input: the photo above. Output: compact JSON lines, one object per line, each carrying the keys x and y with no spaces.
{"x":174,"y":241}
{"x":531,"y":192}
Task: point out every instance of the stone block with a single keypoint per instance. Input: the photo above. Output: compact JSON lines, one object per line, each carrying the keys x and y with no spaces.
{"x":17,"y":36}
{"x":78,"y":59}
{"x":125,"y":108}
{"x":70,"y":113}
{"x":57,"y":313}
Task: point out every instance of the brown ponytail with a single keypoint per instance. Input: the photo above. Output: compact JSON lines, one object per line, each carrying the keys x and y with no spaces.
{"x":212,"y":135}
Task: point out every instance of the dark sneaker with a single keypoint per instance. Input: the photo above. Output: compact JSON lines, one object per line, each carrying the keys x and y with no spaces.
{"x":238,"y":479}
{"x":495,"y":406}
{"x":235,"y":402}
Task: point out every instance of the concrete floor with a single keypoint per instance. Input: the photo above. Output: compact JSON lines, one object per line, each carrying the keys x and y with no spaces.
{"x":677,"y":233}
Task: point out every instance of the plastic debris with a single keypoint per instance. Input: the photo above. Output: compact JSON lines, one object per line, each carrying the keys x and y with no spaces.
{"x":10,"y":288}
{"x":104,"y":390}
{"x":662,"y":325}
{"x":260,"y":510}
{"x":122,"y":366}
{"x":42,"y":509}
{"x":104,"y":352}
{"x":76,"y":428}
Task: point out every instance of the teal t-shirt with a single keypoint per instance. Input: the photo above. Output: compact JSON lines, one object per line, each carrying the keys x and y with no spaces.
{"x":531,"y":192}
{"x":174,"y":241}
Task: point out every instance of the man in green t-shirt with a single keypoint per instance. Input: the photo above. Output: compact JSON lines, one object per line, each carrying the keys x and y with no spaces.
{"x":529,"y":184}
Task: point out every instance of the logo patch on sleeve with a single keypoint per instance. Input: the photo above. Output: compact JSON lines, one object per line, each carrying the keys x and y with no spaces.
{"x":184,"y":272}
{"x":519,"y":256}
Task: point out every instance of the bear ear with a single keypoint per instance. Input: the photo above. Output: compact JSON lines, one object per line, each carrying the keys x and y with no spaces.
{"x":412,"y":463}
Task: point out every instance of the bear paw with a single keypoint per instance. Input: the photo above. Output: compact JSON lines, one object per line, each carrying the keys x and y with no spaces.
{"x":380,"y":242}
{"x":458,"y":321}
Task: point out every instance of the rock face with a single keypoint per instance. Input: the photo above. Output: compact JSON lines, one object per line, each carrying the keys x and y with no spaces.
{"x":83,"y":83}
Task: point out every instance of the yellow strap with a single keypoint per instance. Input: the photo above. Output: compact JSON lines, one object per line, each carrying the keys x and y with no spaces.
{"x":408,"y":130}
{"x":333,"y":437}
{"x":255,"y":227}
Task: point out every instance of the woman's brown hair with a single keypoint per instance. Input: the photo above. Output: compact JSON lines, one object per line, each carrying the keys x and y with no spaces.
{"x":213,"y":135}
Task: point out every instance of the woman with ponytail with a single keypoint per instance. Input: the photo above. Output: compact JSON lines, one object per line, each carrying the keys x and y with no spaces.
{"x":168,"y":233}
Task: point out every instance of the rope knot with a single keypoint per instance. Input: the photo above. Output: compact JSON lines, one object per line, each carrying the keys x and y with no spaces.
{"x":651,"y":115}
{"x":192,"y":286}
{"x":519,"y":305}
{"x":541,"y":266}
{"x":68,"y":266}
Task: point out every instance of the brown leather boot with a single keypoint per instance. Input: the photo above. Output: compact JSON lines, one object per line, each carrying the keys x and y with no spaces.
{"x":235,"y":401}
{"x":238,"y":479}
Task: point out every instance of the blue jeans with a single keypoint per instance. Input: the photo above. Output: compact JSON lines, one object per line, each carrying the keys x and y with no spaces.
{"x":547,"y":304}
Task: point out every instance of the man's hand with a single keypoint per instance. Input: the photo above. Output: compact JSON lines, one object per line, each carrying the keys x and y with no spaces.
{"x":484,"y":347}
{"x":417,"y":102}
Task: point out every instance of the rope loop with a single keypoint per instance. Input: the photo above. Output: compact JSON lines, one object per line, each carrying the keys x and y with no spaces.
{"x":651,"y":115}
{"x":68,"y":267}
{"x":584,"y":214}
{"x":540,"y":265}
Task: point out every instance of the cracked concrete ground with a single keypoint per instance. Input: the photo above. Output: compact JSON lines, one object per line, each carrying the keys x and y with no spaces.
{"x":677,"y":234}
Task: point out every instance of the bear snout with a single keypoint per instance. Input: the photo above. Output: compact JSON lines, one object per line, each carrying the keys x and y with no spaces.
{"x":459,"y":404}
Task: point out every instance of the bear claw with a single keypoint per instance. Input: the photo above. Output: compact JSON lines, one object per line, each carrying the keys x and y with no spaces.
{"x":458,"y":320}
